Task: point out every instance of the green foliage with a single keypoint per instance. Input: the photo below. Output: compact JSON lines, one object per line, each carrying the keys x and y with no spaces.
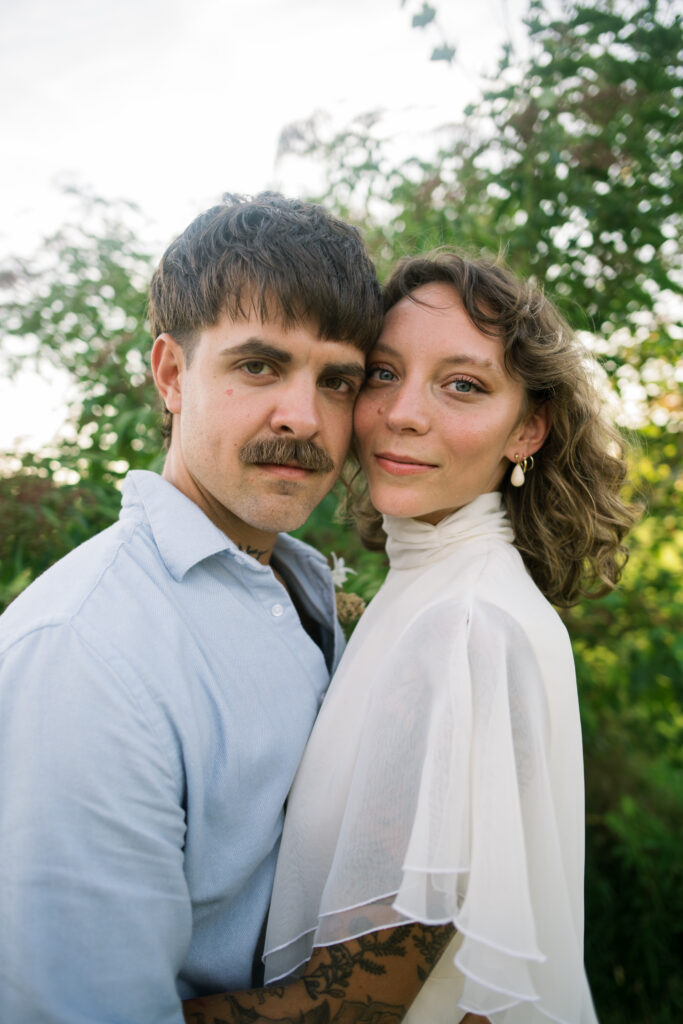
{"x":586,"y":165}
{"x":427,"y":16}
{"x":424,"y":16}
{"x":81,"y":303}
{"x":571,"y":163}
{"x":446,"y":53}
{"x":629,"y":658}
{"x":634,"y":885}
{"x":41,"y":521}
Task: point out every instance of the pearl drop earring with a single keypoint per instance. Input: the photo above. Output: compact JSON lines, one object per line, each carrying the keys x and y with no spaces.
{"x":522,"y":466}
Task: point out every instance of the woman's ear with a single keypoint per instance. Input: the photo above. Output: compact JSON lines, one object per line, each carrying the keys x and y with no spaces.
{"x":168,"y":363}
{"x":530,"y":433}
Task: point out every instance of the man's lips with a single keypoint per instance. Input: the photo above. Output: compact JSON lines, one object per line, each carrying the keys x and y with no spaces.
{"x":401,"y":465}
{"x":287,"y":471}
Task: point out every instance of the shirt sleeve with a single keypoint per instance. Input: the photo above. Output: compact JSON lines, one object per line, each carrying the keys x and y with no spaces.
{"x":96,"y":916}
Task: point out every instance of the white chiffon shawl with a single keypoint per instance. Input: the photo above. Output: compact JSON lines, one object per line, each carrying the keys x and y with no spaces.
{"x":443,"y":782}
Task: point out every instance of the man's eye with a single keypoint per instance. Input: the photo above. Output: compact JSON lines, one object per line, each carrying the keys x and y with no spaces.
{"x":338,"y":384}
{"x":256,"y":367}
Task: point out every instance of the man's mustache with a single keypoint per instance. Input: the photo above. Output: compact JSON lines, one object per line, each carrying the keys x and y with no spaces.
{"x":285,"y":451}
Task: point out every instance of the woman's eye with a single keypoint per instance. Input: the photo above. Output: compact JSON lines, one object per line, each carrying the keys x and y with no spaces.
{"x":381,"y":373}
{"x":463,"y":386}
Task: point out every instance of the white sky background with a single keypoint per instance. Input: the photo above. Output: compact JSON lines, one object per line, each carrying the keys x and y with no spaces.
{"x":169,"y":103}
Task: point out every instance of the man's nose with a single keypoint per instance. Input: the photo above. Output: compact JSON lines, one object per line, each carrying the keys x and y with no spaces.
{"x":297,"y":409}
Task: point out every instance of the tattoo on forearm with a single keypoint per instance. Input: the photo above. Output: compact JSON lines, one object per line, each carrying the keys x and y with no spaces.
{"x":331,"y":977}
{"x":430,"y":944}
{"x":334,"y":983}
{"x":369,"y":1012}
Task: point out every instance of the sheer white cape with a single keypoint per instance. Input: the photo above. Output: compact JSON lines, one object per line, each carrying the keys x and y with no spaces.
{"x":443,"y":781}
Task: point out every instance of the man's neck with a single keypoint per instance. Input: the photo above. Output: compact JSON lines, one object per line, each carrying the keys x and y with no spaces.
{"x":260,"y":554}
{"x":258,"y":544}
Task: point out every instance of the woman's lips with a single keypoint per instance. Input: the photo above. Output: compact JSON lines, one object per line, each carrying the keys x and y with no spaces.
{"x":401,"y":465}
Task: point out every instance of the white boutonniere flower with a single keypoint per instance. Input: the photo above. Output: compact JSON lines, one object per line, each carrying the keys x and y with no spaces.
{"x":349,"y":606}
{"x":340,"y":570}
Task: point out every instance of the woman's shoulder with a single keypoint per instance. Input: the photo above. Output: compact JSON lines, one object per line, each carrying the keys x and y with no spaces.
{"x":493,"y":600}
{"x":483,"y":590}
{"x":490,"y":574}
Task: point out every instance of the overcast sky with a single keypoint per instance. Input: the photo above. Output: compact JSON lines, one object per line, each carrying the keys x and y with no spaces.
{"x":171,"y":102}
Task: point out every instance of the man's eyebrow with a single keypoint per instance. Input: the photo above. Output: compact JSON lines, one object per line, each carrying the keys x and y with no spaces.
{"x":259,"y":349}
{"x":356,"y":370}
{"x":461,"y":359}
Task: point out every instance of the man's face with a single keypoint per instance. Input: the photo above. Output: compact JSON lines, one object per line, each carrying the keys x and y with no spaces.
{"x":250,"y":383}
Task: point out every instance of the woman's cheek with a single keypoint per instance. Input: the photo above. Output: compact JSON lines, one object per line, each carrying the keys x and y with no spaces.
{"x":365,"y":415}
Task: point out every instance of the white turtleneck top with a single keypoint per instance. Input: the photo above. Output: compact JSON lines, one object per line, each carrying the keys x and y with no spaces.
{"x":443,"y":781}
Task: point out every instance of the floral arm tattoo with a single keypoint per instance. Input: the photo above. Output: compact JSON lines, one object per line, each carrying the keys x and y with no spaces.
{"x":369,"y":980}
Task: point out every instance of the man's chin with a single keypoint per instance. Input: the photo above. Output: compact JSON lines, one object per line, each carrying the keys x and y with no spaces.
{"x":287,"y":512}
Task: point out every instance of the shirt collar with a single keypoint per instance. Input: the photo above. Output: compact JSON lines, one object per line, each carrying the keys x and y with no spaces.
{"x":185,"y":536}
{"x":183,"y":533}
{"x":309,"y":562}
{"x":412,"y":543}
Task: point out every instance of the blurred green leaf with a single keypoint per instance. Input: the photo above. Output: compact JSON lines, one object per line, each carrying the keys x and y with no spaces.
{"x":424,"y":17}
{"x":446,"y":53}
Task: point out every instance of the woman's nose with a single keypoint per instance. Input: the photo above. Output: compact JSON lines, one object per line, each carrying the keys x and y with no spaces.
{"x":408,"y":410}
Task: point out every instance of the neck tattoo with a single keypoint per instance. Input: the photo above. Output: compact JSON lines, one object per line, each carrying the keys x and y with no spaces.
{"x":256,"y":553}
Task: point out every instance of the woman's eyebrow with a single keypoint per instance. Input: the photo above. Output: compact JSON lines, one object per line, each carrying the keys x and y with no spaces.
{"x":463,"y":359}
{"x":382,"y":347}
{"x":459,"y":359}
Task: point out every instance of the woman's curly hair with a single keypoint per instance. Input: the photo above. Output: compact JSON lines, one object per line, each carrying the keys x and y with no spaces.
{"x":568,"y":519}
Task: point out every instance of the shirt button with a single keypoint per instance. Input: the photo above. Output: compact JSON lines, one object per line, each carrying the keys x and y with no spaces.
{"x":277,"y":610}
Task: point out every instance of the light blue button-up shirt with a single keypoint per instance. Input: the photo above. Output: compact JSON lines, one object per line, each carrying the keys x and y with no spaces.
{"x":156,"y":693}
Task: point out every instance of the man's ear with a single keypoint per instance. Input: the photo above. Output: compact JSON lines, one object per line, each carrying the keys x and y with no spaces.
{"x":168,"y":363}
{"x":530,"y":433}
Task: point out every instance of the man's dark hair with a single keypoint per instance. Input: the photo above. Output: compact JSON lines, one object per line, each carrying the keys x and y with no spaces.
{"x":282,"y":259}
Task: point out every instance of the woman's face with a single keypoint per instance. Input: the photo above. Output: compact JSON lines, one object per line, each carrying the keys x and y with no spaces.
{"x":439,"y":419}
